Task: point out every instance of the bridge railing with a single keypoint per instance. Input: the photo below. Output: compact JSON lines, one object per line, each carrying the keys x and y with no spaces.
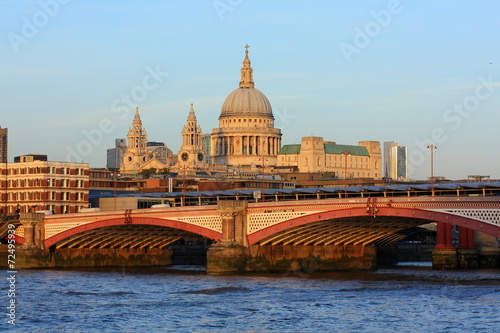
{"x":350,"y":192}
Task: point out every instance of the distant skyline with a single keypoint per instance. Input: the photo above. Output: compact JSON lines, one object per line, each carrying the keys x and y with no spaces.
{"x":417,"y":73}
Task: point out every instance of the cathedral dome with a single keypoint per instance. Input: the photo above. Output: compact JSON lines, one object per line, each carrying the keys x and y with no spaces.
{"x":246,"y":100}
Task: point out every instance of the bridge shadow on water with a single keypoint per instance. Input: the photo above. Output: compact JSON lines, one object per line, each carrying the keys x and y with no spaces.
{"x":409,"y":272}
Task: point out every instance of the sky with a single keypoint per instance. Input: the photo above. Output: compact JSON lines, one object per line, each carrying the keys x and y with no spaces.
{"x":414,"y":72}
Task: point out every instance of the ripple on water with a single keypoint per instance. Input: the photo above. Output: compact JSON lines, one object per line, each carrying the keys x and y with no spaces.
{"x":399,"y":299}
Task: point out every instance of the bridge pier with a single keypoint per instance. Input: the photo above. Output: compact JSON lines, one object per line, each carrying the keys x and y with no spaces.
{"x":233,"y":254}
{"x":466,"y":251}
{"x":475,"y":249}
{"x":31,"y":253}
{"x":38,"y":258}
{"x":32,"y":223}
{"x":444,"y":255}
{"x":488,"y":250}
{"x":290,"y":258}
{"x":229,"y":255}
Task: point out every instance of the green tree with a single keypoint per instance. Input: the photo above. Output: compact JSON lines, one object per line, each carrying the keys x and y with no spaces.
{"x":148,"y":172}
{"x":163,"y":171}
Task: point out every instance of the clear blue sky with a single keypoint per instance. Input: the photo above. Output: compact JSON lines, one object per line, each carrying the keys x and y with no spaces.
{"x":415,"y":72}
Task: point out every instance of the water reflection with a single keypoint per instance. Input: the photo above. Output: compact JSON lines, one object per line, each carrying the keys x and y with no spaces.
{"x":179,"y":298}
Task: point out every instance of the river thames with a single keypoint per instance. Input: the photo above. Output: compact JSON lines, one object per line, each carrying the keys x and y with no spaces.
{"x":185,"y":299}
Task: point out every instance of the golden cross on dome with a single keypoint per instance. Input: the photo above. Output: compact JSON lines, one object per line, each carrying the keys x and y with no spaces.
{"x":246,"y":47}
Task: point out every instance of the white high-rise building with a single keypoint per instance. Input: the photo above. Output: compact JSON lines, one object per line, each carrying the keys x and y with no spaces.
{"x":395,"y":161}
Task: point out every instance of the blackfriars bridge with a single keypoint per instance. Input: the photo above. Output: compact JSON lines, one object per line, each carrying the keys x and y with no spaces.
{"x":330,"y":233}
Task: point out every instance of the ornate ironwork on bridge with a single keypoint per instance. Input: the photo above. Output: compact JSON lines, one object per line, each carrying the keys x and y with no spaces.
{"x":358,"y":222}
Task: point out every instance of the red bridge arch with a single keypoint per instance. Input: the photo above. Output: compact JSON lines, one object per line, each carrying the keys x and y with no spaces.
{"x":407,"y":213}
{"x":119,"y":221}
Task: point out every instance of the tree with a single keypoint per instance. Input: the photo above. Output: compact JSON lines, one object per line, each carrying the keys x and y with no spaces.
{"x":148,"y":172}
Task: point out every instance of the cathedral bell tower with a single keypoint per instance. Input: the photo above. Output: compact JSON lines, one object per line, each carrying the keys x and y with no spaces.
{"x":191,"y":154}
{"x":136,"y":154}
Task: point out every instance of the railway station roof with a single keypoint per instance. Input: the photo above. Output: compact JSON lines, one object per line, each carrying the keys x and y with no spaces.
{"x":307,"y":191}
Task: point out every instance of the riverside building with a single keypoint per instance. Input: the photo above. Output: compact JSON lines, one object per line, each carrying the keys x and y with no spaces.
{"x":32,"y":184}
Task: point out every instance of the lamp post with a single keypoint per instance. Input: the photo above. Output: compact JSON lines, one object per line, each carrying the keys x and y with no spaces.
{"x":6,"y":204}
{"x":263,"y":160}
{"x":114,"y":187}
{"x":184,"y":168}
{"x":432,"y":147}
{"x":345,"y":153}
{"x":184,"y":185}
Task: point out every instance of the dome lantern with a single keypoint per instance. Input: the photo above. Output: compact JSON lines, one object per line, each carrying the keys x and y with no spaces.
{"x":246,"y":100}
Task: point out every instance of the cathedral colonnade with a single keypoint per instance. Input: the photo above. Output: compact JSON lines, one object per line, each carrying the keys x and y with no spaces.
{"x":245,"y":145}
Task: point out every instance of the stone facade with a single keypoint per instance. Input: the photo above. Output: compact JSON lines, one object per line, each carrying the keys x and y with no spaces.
{"x":316,"y":155}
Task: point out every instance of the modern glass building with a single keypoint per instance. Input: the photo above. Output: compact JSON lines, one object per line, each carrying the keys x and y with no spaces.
{"x":395,"y":161}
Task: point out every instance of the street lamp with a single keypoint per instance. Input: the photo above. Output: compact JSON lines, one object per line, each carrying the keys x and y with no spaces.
{"x":432,"y":147}
{"x":184,"y":185}
{"x":263,"y":160}
{"x":115,"y":179}
{"x":345,"y":153}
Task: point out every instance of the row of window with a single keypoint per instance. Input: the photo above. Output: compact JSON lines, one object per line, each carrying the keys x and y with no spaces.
{"x":79,"y":183}
{"x":335,"y":165}
{"x":361,"y":159}
{"x":34,"y":196}
{"x":57,"y":209}
{"x":43,"y":170}
{"x":227,"y":121}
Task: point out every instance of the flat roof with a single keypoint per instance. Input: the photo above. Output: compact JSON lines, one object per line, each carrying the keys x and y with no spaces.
{"x":309,"y":190}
